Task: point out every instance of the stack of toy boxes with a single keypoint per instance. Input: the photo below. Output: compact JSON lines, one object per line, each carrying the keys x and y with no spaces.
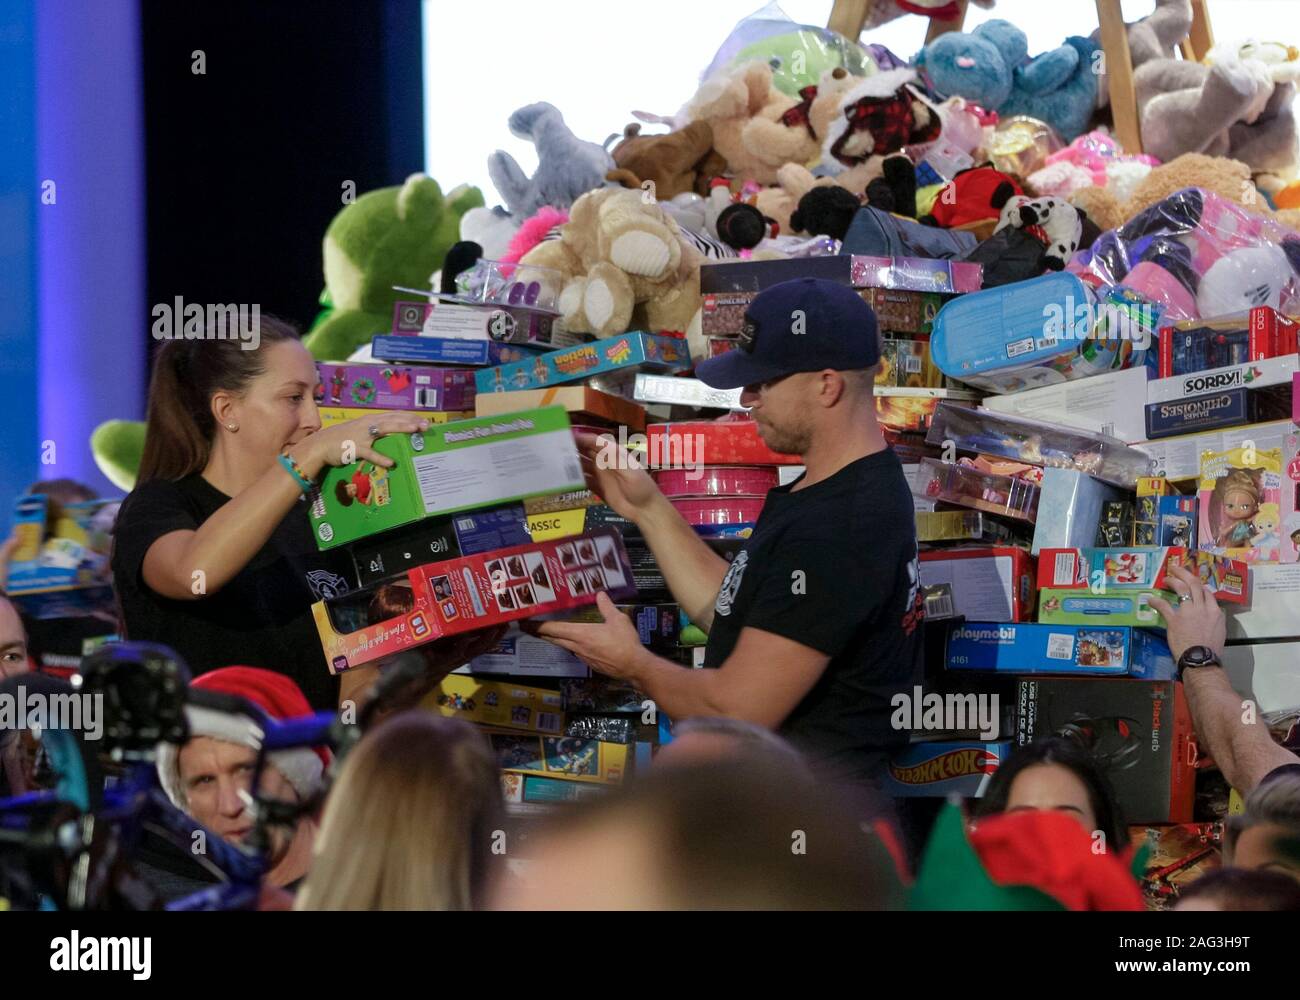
{"x":353,"y":391}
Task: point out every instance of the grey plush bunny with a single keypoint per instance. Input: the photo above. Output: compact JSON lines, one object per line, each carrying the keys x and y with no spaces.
{"x":567,"y":167}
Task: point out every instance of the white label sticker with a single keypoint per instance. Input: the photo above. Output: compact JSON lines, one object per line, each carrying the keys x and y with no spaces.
{"x":1060,"y":646}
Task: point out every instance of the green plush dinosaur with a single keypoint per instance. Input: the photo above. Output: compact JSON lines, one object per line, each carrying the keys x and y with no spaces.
{"x":389,"y":236}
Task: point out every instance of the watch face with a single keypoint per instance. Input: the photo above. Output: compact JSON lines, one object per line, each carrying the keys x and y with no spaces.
{"x":1197,"y":656}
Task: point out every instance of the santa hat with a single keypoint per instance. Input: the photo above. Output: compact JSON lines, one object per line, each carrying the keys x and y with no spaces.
{"x":276,"y":695}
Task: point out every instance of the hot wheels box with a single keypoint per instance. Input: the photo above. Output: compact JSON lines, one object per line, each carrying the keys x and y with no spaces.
{"x":1058,"y":649}
{"x":623,"y":355}
{"x":1104,"y":570}
{"x":497,"y":703}
{"x":1140,"y":731}
{"x":451,"y":351}
{"x":587,"y":405}
{"x":950,"y":767}
{"x":727,"y":442}
{"x":988,"y":583}
{"x":448,"y":468}
{"x":560,"y":757}
{"x":472,"y":593}
{"x":395,"y":387}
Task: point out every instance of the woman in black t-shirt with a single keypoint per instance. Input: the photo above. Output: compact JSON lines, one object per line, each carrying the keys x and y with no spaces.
{"x":213,"y":553}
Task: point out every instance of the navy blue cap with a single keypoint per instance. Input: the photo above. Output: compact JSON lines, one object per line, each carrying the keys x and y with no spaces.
{"x":803,"y":325}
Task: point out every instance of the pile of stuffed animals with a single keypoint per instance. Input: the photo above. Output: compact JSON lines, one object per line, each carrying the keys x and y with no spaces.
{"x":975,"y":150}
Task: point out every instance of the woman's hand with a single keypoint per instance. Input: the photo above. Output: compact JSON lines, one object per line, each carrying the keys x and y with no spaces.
{"x":352,"y":441}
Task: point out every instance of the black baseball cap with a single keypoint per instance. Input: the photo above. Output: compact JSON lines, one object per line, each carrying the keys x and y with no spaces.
{"x":803,"y":325}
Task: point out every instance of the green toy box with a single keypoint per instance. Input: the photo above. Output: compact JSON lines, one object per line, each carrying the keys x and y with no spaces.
{"x":451,"y":467}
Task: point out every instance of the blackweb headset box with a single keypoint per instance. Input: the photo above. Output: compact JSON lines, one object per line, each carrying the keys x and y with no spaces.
{"x":451,"y":467}
{"x":1139,"y":731}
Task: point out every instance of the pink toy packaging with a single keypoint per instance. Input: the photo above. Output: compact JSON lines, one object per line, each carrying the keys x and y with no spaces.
{"x":1246,"y":500}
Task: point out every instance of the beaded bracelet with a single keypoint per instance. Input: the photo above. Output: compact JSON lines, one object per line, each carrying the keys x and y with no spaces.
{"x":294,"y":470}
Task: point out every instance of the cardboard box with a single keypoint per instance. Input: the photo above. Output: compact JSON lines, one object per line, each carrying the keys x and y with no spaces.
{"x":1058,"y":649}
{"x":1264,"y":374}
{"x":657,"y":625}
{"x":393,"y":553}
{"x":678,"y":391}
{"x":560,"y":758}
{"x":624,"y":356}
{"x":902,"y":311}
{"x":451,"y":351}
{"x":1146,"y":513}
{"x":502,"y":704}
{"x":1178,"y":459}
{"x":331,"y":415}
{"x":907,"y":364}
{"x":918,"y":274}
{"x":1197,"y":345}
{"x":940,"y":769}
{"x":994,"y":583}
{"x":1112,"y":403}
{"x":960,"y":526}
{"x":482,"y":322}
{"x":452,"y":467}
{"x":1139,"y":568}
{"x":522,"y":791}
{"x":1177,"y":855}
{"x":474,"y":592}
{"x":910,"y":410}
{"x":1265,"y":672}
{"x":585,"y":405}
{"x":1139,"y":730}
{"x":953,"y":483}
{"x":1118,"y":607}
{"x":1069,"y":509}
{"x":1256,"y":522}
{"x":731,"y":442}
{"x":1116,"y":525}
{"x":1274,"y":600}
{"x":395,"y":387}
{"x":519,"y":654}
{"x":1200,"y":413}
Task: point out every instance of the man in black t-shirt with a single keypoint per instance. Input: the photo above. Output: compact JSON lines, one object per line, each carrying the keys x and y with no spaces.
{"x":813,"y":627}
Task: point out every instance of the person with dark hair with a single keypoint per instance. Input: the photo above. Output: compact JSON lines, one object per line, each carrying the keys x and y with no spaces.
{"x":14,"y":654}
{"x":213,"y":552}
{"x":1235,"y":889}
{"x":1056,"y":773}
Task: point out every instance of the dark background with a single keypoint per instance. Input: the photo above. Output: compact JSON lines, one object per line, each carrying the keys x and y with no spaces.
{"x":244,"y":166}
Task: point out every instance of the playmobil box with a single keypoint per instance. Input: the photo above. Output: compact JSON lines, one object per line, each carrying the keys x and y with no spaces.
{"x":394,"y":387}
{"x":445,"y":469}
{"x":1118,"y":607}
{"x":471,"y":593}
{"x":1021,"y":648}
{"x":60,"y":547}
{"x":1103,"y":570}
{"x":331,"y":415}
{"x":560,"y":757}
{"x":1139,"y":731}
{"x":1248,"y":504}
{"x":989,"y":583}
{"x":585,"y":405}
{"x":1033,"y":333}
{"x":940,"y":769}
{"x":499,"y":703}
{"x":1111,"y":403}
{"x":682,"y":444}
{"x":621,"y":356}
{"x":451,"y":350}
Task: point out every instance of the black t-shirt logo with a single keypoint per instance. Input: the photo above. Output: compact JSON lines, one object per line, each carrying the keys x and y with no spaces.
{"x":731,"y":584}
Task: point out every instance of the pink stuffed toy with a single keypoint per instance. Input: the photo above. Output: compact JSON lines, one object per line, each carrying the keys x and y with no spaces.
{"x":1095,"y":151}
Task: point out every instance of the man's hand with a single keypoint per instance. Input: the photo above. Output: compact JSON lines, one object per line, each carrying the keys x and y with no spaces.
{"x":616,"y":475}
{"x":1197,"y":620}
{"x":612,"y":647}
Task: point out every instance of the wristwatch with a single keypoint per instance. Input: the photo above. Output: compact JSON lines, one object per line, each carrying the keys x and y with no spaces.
{"x":1197,"y":656}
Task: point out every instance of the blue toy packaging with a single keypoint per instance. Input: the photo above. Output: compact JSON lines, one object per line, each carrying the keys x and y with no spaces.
{"x":1021,"y":648}
{"x":622,"y":356}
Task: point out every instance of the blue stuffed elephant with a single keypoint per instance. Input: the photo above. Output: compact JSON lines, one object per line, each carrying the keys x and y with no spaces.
{"x":991,"y":67}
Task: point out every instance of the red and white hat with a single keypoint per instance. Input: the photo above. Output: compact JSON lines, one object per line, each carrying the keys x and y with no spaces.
{"x":278,"y":696}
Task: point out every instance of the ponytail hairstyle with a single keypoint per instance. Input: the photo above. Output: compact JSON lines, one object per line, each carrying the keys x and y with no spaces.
{"x":180,"y":428}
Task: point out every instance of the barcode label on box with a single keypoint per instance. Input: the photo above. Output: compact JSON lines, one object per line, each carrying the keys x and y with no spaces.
{"x":465,"y":524}
{"x":426,"y":398}
{"x":1063,"y":569}
{"x":1019,"y":347}
{"x":912,"y":365}
{"x":1060,"y":646}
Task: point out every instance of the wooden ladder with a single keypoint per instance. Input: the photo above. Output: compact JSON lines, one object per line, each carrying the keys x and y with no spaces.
{"x":848,"y":17}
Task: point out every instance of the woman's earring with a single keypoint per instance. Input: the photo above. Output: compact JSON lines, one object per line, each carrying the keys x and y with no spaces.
{"x":232,"y":427}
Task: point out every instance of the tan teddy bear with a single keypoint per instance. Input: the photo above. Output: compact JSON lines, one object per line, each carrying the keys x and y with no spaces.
{"x":756,"y":128}
{"x":624,"y":264}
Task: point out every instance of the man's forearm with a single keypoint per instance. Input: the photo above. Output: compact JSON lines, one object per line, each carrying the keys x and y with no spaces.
{"x":692,"y":570}
{"x":679,"y":692}
{"x":1243,"y":750}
